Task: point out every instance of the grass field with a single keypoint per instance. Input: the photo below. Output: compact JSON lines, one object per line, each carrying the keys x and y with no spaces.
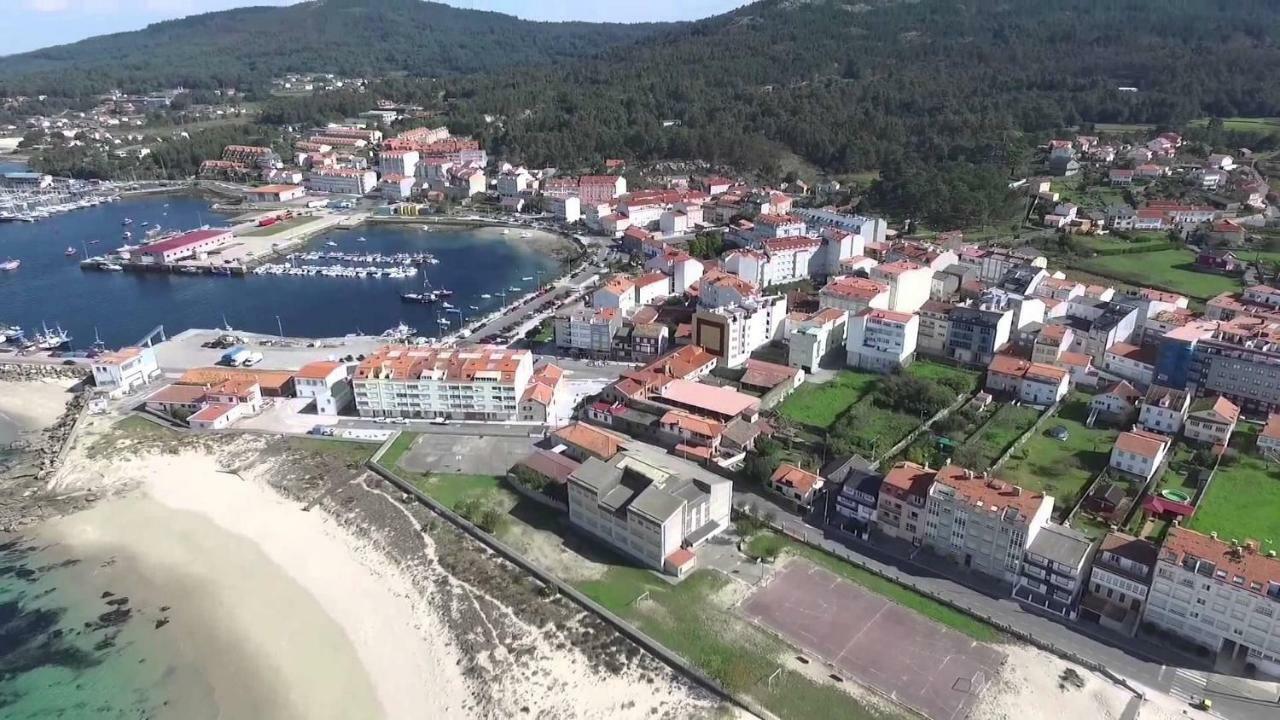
{"x":1243,"y":499}
{"x":452,"y":489}
{"x":819,"y":405}
{"x":872,"y":429}
{"x":1257,"y":126}
{"x":1092,"y":197}
{"x":1169,"y":269}
{"x":1098,"y":243}
{"x":929,"y":370}
{"x":1058,"y":468}
{"x":999,"y":432}
{"x":391,"y":458}
{"x":353,"y":452}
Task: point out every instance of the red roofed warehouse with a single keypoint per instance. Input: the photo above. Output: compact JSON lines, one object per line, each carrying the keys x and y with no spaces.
{"x":186,"y":245}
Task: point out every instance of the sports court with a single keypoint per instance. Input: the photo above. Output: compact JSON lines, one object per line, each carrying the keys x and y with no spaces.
{"x":916,"y":661}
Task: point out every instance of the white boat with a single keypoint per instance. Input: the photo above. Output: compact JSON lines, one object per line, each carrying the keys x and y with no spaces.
{"x":474,"y":307}
{"x":10,"y":264}
{"x":332,"y":244}
{"x":527,"y":278}
{"x":446,"y":306}
{"x":526,"y":234}
{"x":486,"y":296}
{"x":361,"y":239}
{"x":110,"y":267}
{"x":505,"y":231}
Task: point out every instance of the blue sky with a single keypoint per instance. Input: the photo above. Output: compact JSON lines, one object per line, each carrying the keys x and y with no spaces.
{"x":35,"y":24}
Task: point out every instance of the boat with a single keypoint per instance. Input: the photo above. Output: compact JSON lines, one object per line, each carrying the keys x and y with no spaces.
{"x":527,"y":278}
{"x":486,"y":296}
{"x":10,"y":264}
{"x":127,"y":235}
{"x":443,"y":321}
{"x":474,"y":307}
{"x":189,"y":270}
{"x":52,"y":339}
{"x":425,"y":297}
{"x":332,"y":244}
{"x":10,"y":333}
{"x":110,"y":267}
{"x":446,"y":306}
{"x":361,"y":239}
{"x":444,"y":292}
{"x":505,"y":231}
{"x":526,"y":234}
{"x":513,"y":288}
{"x":127,"y":221}
{"x":146,"y":223}
{"x":93,"y":242}
{"x":399,"y":332}
{"x":70,"y":251}
{"x":221,"y":271}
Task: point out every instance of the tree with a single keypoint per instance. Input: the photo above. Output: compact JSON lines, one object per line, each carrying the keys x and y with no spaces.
{"x":763,"y":460}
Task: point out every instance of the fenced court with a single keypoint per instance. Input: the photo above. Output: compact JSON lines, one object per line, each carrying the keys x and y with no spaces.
{"x":871,"y":640}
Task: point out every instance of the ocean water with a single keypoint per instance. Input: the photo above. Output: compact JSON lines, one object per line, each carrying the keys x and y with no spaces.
{"x":74,"y":642}
{"x":122,"y":307}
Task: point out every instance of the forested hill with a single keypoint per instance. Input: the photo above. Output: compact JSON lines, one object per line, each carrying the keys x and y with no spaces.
{"x":848,"y":84}
{"x":250,"y":45}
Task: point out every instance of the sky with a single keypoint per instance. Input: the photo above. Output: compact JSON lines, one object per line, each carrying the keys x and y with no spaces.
{"x":34,"y":24}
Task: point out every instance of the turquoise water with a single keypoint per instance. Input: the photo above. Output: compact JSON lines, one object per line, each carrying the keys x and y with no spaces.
{"x":75,"y":644}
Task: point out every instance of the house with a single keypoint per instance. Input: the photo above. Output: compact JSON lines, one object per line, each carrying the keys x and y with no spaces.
{"x":909,"y":284}
{"x":983,"y":523}
{"x":1031,"y":382}
{"x":764,"y":377}
{"x":581,"y":442}
{"x":1164,"y":409}
{"x":854,"y":294}
{"x":1269,"y":436}
{"x":657,"y":515}
{"x":1064,"y":166}
{"x":125,"y":370}
{"x":881,"y":340}
{"x":694,"y":436}
{"x":542,"y":399}
{"x":853,"y":508}
{"x":1051,"y":342}
{"x":1130,"y":362}
{"x":1150,"y":219}
{"x":795,"y":484}
{"x":618,"y":293}
{"x":1211,"y":420}
{"x":327,"y":382}
{"x":1054,"y":571}
{"x":1227,"y":232}
{"x":1120,"y":177}
{"x":976,"y":334}
{"x":1119,"y":400}
{"x":1218,"y":259}
{"x":1139,"y":452}
{"x":1119,"y":582}
{"x":900,"y":511}
{"x":1149,"y":171}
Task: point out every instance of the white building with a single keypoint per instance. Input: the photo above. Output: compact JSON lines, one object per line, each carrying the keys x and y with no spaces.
{"x":854,"y":294}
{"x":648,"y":512}
{"x":341,"y":180}
{"x":468,"y":383}
{"x":1223,"y":596}
{"x":1054,"y":570}
{"x":788,"y":259}
{"x":1139,"y":452}
{"x":809,"y":340}
{"x":719,"y":289}
{"x":733,"y":332}
{"x":1119,"y":582}
{"x":327,"y":382}
{"x":909,"y":284}
{"x":619,"y":293}
{"x":514,"y":182}
{"x":398,"y":162}
{"x":983,"y":523}
{"x":871,"y":229}
{"x":652,"y":287}
{"x":1164,"y":409}
{"x":125,"y":370}
{"x":568,"y":209}
{"x":881,"y":340}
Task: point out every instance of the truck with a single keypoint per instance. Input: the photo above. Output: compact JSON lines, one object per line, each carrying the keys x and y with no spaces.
{"x":268,"y":221}
{"x":253,"y":359}
{"x":319,"y":203}
{"x":235,"y":356}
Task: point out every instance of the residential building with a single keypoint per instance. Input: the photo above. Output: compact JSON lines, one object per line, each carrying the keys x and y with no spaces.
{"x":975,"y":335}
{"x":795,"y":484}
{"x":871,"y":229}
{"x":568,"y":209}
{"x":595,"y":189}
{"x":909,"y":284}
{"x":647,"y":512}
{"x":396,"y":187}
{"x":900,"y":510}
{"x":1211,"y":420}
{"x":589,"y":330}
{"x":983,"y":523}
{"x":1130,"y":362}
{"x":652,"y":287}
{"x":582,"y":442}
{"x":1164,"y":409}
{"x":881,"y":340}
{"x":935,"y":323}
{"x":1223,"y":596}
{"x":1055,"y":568}
{"x":544,"y":400}
{"x":326,"y":382}
{"x":477,"y":383}
{"x":1030,"y":382}
{"x":854,"y":294}
{"x":693,"y":435}
{"x":814,"y":338}
{"x":1120,"y":177}
{"x":1139,"y":452}
{"x":789,"y":259}
{"x":719,"y":289}
{"x":342,"y":181}
{"x":617,"y":293}
{"x":641,"y":342}
{"x":1119,"y":582}
{"x":125,"y":370}
{"x":1051,"y":343}
{"x":398,"y":162}
{"x":733,"y":332}
{"x":1118,"y":400}
{"x":853,"y":508}
{"x":1269,"y":437}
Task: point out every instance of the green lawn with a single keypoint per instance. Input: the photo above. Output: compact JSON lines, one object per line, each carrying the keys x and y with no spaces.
{"x":1168,"y":269}
{"x":999,"y":432}
{"x":391,"y":458}
{"x":819,"y":405}
{"x":1177,"y":474}
{"x":353,"y":452}
{"x":1058,"y":468}
{"x":1242,"y":502}
{"x":937,"y":372}
{"x":450,"y":489}
{"x":1105,"y":242}
{"x":1258,"y":126}
{"x":765,"y":545}
{"x":1092,"y":197}
{"x":871,"y":430}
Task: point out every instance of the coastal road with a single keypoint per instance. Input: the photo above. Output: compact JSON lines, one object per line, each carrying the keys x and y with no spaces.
{"x":539,"y":306}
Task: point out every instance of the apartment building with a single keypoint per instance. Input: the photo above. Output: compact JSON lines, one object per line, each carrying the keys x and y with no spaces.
{"x":871,"y":229}
{"x":975,"y":335}
{"x":909,"y":284}
{"x":125,"y":370}
{"x":854,"y":294}
{"x":854,"y":508}
{"x":648,"y":512}
{"x":398,"y":162}
{"x":1054,"y":570}
{"x":1050,"y":344}
{"x":983,"y":523}
{"x":719,"y":289}
{"x":733,"y":332}
{"x":342,"y":181}
{"x":1099,"y":324}
{"x":901,"y":507}
{"x":589,"y":330}
{"x":881,"y":340}
{"x":769,"y":227}
{"x":617,"y":293}
{"x":813,"y":338}
{"x":326,"y":382}
{"x":1119,"y":582}
{"x":1130,"y":362}
{"x":464,"y":383}
{"x":1224,"y":596}
{"x":790,"y":259}
{"x":935,"y":323}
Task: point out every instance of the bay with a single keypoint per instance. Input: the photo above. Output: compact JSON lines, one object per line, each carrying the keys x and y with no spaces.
{"x":122,"y":307}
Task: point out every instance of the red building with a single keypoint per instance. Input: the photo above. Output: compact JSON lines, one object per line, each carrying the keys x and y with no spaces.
{"x":184,"y":246}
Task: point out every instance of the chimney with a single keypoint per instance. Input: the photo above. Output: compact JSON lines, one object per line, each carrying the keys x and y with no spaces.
{"x":1017,"y":491}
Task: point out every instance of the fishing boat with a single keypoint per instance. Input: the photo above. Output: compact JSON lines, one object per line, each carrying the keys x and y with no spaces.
{"x":110,"y":267}
{"x":426,"y":297}
{"x":52,"y":339}
{"x":10,"y":333}
{"x":70,"y":251}
{"x":446,"y":306}
{"x":189,"y":270}
{"x":126,"y":235}
{"x":361,"y":239}
{"x":513,"y":288}
{"x":10,"y":264}
{"x":486,"y":296}
{"x":399,"y":332}
{"x":444,"y":292}
{"x":127,"y":221}
{"x":443,"y":321}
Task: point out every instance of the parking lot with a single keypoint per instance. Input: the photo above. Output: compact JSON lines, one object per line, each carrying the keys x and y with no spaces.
{"x":467,"y":454}
{"x":930,"y":668}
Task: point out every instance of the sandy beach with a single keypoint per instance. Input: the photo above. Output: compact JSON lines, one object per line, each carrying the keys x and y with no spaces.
{"x":28,"y":407}
{"x":337,"y":623}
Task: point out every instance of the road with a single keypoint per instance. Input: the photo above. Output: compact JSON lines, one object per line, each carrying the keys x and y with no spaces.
{"x":540,"y":306}
{"x":1151,"y":665}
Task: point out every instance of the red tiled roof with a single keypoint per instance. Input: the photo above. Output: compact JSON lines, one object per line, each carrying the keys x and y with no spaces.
{"x":1141,"y":442}
{"x":318,"y":370}
{"x":909,"y":478}
{"x":855,"y":288}
{"x":1272,"y":428}
{"x":1254,"y":569}
{"x":591,"y":439}
{"x":178,"y":394}
{"x":991,"y":492}
{"x":1008,"y":365}
{"x":400,"y":362}
{"x":791,"y":476}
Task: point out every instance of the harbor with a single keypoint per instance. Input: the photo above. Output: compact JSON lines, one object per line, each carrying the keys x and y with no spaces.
{"x":485,"y":270}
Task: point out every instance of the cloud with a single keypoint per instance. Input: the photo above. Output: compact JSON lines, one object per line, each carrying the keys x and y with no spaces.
{"x":47,"y":6}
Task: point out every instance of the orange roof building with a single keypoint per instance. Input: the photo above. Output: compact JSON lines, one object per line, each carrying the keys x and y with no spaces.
{"x":464,"y":383}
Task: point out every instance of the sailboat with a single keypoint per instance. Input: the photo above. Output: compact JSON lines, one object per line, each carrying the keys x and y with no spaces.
{"x":70,"y":251}
{"x":425,"y":297}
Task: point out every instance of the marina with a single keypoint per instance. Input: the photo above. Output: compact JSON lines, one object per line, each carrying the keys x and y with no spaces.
{"x":479,"y":264}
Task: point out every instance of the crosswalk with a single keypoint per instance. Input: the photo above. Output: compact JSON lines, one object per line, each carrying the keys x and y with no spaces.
{"x":1188,"y":685}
